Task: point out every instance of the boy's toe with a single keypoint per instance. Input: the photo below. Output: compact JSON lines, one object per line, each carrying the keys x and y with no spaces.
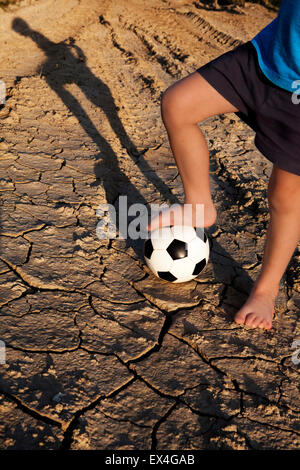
{"x":268,"y":325}
{"x":240,"y":317}
{"x":251,"y":319}
{"x":256,"y":322}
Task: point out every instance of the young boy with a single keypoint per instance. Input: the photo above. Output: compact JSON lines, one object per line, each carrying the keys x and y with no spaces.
{"x":257,"y":80}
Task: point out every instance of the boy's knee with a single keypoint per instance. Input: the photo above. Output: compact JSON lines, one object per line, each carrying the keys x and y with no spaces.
{"x":176,"y":107}
{"x":170,"y":104}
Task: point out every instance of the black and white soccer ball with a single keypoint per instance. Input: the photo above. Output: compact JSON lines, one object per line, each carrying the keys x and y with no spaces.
{"x":178,"y":253}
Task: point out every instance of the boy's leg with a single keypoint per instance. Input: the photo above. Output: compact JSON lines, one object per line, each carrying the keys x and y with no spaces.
{"x":185,"y":104}
{"x":282,"y":237}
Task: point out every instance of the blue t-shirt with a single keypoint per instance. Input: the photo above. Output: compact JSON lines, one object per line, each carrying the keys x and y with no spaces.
{"x":278,"y":47}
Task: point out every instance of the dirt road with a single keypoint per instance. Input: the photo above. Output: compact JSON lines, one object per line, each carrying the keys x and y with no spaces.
{"x":99,"y":353}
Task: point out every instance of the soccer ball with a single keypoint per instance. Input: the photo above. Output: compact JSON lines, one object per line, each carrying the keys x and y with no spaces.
{"x":178,"y":253}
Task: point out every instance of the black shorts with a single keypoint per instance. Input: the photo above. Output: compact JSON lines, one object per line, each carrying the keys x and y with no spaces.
{"x":265,"y":107}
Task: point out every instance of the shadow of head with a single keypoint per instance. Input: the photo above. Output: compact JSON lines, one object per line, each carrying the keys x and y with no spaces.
{"x":21,"y":27}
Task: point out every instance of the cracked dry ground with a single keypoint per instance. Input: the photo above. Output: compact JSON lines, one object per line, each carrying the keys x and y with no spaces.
{"x":99,"y":353}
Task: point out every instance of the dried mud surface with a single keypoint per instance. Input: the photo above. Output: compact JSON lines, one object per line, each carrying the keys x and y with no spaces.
{"x":99,"y":353}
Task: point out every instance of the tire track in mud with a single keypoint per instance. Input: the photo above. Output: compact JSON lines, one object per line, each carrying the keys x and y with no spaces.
{"x":209,"y":33}
{"x":166,"y":50}
{"x":162,"y":52}
{"x":147,"y":80}
{"x":176,"y":31}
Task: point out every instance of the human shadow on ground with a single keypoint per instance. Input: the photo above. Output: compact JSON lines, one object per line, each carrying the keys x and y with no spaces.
{"x":66,"y":64}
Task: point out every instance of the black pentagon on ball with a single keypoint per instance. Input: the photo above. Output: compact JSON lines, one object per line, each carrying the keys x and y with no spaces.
{"x":148,"y":248}
{"x":177,"y":249}
{"x":199,"y":266}
{"x":166,"y":276}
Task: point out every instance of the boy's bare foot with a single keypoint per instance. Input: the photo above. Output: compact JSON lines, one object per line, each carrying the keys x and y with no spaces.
{"x":179,"y":216}
{"x":258,"y":310}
